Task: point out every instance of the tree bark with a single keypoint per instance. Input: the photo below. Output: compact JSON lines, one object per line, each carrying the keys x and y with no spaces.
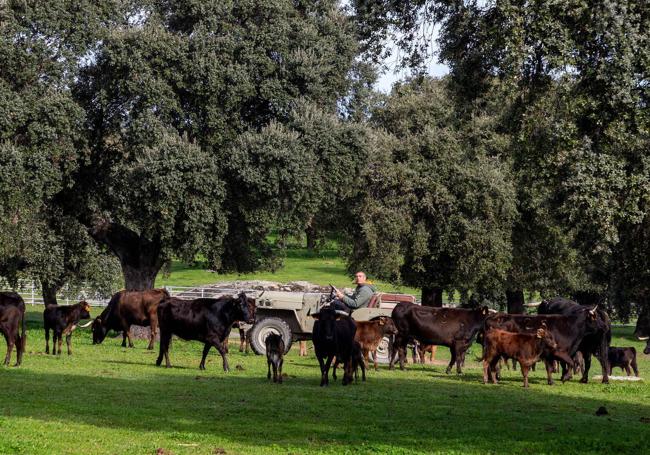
{"x":140,"y":257}
{"x":49,"y":291}
{"x":311,"y":237}
{"x":515,"y":301}
{"x":432,"y":296}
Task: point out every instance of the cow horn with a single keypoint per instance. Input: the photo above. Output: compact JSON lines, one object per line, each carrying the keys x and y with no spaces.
{"x":643,"y":338}
{"x":593,"y":310}
{"x":83,"y":326}
{"x":532,"y":304}
{"x":491,"y":310}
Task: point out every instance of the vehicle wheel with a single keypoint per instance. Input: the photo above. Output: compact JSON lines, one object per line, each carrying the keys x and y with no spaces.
{"x":383,"y":351}
{"x":264,"y":328}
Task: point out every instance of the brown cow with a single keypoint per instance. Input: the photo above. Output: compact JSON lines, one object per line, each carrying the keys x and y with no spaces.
{"x":12,"y":318}
{"x":526,"y":348}
{"x":128,"y":308}
{"x":370,"y":333}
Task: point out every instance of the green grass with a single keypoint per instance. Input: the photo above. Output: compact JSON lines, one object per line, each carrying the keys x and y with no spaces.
{"x":324,"y":267}
{"x":106,"y":399}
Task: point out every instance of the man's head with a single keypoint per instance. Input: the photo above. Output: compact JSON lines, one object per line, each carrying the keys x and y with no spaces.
{"x":360,"y":278}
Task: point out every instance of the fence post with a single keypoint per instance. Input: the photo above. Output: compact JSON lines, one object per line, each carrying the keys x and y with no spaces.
{"x":32,"y":293}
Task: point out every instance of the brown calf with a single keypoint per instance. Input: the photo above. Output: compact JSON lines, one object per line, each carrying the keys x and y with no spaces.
{"x":12,"y":318}
{"x":526,"y":348}
{"x":62,"y":320}
{"x":370,"y":333}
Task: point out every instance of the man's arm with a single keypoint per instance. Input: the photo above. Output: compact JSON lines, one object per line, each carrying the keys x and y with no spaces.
{"x":359,"y":300}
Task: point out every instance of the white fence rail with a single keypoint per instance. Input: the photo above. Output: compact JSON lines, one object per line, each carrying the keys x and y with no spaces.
{"x":31,"y":293}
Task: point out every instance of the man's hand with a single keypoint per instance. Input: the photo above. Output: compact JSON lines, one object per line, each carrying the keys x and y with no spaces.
{"x":339,"y":294}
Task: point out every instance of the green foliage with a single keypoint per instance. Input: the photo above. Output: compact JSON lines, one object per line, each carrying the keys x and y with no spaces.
{"x":438,"y":207}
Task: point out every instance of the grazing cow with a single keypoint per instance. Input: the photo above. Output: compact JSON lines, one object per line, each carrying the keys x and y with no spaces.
{"x":451,"y":327}
{"x":624,"y":358}
{"x":128,"y":308}
{"x":333,"y":336}
{"x":642,"y":330}
{"x":205,"y":319}
{"x":568,"y":331}
{"x":597,"y":336}
{"x":274,"y":356}
{"x":527,"y":348}
{"x":12,"y":324}
{"x":62,"y":320}
{"x":369,"y":335}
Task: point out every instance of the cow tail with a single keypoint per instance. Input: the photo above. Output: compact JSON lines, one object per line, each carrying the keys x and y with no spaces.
{"x":23,"y":333}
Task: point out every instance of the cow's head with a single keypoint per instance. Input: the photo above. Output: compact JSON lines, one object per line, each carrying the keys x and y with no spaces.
{"x":326,"y":319}
{"x":246,"y":308}
{"x":546,"y":337}
{"x":642,"y":330}
{"x":387,"y":325}
{"x":85,"y":310}
{"x":99,"y":330}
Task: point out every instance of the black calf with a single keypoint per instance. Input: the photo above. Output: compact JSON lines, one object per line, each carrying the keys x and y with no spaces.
{"x":274,"y":356}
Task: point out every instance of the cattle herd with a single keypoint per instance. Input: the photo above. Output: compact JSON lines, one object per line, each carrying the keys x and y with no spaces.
{"x":563,"y":335}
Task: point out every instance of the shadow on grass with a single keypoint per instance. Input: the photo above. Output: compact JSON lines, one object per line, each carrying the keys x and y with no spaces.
{"x":409,"y":413}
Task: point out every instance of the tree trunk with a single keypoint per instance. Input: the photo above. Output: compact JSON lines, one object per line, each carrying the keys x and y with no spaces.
{"x":49,"y":291}
{"x":515,"y":301}
{"x":311,"y":237}
{"x":139,"y":278}
{"x":140,"y":257}
{"x":432,"y":296}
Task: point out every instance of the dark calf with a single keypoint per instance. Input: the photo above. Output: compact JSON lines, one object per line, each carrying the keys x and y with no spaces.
{"x":12,"y":324}
{"x":623,"y":358}
{"x":333,"y":337}
{"x":274,"y":356}
{"x":62,"y":320}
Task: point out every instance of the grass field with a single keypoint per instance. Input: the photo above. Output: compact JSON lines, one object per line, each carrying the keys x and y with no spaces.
{"x":107,"y":399}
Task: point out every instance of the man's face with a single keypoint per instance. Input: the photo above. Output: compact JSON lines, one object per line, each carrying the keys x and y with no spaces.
{"x":359,"y":278}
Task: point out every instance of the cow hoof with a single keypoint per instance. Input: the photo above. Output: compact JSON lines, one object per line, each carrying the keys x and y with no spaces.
{"x":584,"y":380}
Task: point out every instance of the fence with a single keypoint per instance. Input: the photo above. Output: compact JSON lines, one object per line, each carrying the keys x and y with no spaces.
{"x":31,"y":293}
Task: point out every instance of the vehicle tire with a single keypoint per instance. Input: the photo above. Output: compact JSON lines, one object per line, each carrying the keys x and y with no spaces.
{"x":264,"y":328}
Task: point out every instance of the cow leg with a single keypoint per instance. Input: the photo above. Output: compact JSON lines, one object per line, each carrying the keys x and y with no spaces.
{"x":165,"y":340}
{"x":68,"y":342}
{"x":222,"y":350}
{"x":275,"y":371}
{"x":154,"y":330}
{"x":326,"y":371}
{"x":549,"y":371}
{"x":123,"y":338}
{"x":634,"y":367}
{"x":628,"y":372}
{"x":486,"y":367}
{"x":566,"y":372}
{"x":336,"y":365}
{"x":47,"y":340}
{"x":585,"y":374}
{"x":242,"y":339}
{"x":128,"y":336}
{"x":268,"y":368}
{"x":60,"y":343}
{"x":303,"y":349}
{"x":280,"y":370}
{"x":524,"y":370}
{"x":322,"y":370}
{"x":452,"y":350}
{"x":206,"y":349}
{"x":10,"y":346}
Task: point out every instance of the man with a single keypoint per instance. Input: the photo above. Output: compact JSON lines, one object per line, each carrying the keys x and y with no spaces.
{"x":361,"y":295}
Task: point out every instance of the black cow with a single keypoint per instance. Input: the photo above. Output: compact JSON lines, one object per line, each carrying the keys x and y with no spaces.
{"x":451,"y":327}
{"x":597,"y":335}
{"x":642,"y":330}
{"x":12,"y":324}
{"x":623,"y":358}
{"x":333,"y":335}
{"x":568,"y":332}
{"x":62,"y":320}
{"x":274,"y":356}
{"x":206,"y":319}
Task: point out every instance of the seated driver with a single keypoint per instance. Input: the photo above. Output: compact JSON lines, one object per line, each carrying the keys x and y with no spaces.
{"x":361,"y":296}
